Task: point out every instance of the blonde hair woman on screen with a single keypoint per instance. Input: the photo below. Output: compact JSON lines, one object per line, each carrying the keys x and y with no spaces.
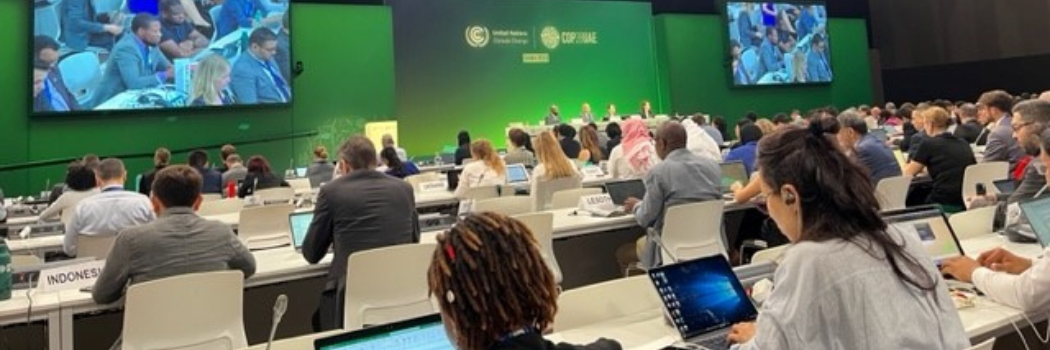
{"x":487,"y":169}
{"x":210,"y":79}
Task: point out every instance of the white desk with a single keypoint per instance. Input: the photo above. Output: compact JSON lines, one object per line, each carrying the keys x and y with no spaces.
{"x":988,"y":318}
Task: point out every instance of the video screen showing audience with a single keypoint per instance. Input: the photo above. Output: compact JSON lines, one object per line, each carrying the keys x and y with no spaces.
{"x":777,"y":43}
{"x":105,"y":55}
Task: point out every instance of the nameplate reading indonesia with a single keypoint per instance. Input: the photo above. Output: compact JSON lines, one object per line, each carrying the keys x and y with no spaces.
{"x":70,"y":277}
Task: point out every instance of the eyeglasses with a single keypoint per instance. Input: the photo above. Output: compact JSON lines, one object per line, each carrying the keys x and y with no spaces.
{"x":1018,"y":126}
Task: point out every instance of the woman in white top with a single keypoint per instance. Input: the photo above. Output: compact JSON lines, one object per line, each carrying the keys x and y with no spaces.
{"x":81,"y":182}
{"x":487,"y":169}
{"x":848,"y":281}
{"x":635,"y":155}
{"x":553,"y":165}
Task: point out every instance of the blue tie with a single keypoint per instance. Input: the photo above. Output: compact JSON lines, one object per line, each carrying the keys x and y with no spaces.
{"x":58,"y":103}
{"x":282,"y":86}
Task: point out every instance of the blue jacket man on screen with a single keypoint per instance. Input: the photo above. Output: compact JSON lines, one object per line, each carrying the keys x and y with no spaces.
{"x":136,"y":62}
{"x":237,"y":14}
{"x":255,"y":77}
{"x":769,"y":52}
{"x":818,"y":69}
{"x":80,"y":28}
{"x":807,"y":22}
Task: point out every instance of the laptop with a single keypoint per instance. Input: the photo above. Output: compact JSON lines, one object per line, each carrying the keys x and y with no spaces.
{"x":704,"y":299}
{"x":1005,"y":186}
{"x":300,"y":172}
{"x":453,"y":178}
{"x":426,"y":332}
{"x":448,"y":158}
{"x":621,"y":190}
{"x":1037,"y":211}
{"x":931,"y":226}
{"x":517,"y":174}
{"x":733,"y":172}
{"x":299,"y":224}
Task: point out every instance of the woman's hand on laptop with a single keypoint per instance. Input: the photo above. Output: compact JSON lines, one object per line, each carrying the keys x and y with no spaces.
{"x":741,"y":333}
{"x":1002,"y":260}
{"x":961,"y":268}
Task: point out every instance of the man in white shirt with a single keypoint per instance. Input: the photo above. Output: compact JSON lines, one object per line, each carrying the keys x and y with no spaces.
{"x":1007,"y":278}
{"x":109,"y":212}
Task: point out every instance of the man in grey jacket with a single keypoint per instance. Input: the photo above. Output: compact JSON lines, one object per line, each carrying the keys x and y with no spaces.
{"x":1030,"y":119}
{"x":136,"y":63}
{"x":1001,"y":145}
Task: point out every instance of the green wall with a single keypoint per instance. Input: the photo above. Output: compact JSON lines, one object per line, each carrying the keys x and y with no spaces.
{"x":351,"y":41}
{"x":692,"y":49}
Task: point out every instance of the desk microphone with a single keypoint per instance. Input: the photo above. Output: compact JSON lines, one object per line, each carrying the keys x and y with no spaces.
{"x":279,"y":307}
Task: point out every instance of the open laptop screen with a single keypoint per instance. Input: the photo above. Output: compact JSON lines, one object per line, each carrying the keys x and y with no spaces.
{"x":621,"y":190}
{"x":299,"y":224}
{"x":733,"y":172}
{"x":516,"y":174}
{"x":702,"y":295}
{"x":932,"y":228}
{"x":426,"y":333}
{"x":1038,"y":214}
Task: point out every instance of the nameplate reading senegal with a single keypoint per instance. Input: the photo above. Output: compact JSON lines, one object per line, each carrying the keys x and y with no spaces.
{"x":70,"y":277}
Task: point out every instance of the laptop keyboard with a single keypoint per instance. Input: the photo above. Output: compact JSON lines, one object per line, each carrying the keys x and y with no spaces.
{"x":714,"y":341}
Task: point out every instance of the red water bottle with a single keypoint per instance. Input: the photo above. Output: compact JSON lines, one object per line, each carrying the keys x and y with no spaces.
{"x":231,"y":190}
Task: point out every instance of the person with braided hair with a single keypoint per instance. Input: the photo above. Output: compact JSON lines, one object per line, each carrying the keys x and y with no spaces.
{"x":493,"y":287}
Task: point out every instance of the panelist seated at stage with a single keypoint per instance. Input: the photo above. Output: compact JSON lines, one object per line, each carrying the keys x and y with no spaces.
{"x":135,"y":62}
{"x":647,"y":110}
{"x":256,"y":77}
{"x":585,"y":114}
{"x":179,"y":38}
{"x":552,"y":118}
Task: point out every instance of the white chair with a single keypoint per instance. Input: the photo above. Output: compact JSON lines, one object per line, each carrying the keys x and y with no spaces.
{"x":276,"y":195}
{"x":481,"y":193}
{"x":95,"y":246}
{"x":415,"y":180}
{"x":986,"y":345}
{"x":82,"y":74}
{"x":225,"y":206}
{"x":300,"y":184}
{"x":210,"y":197}
{"x":892,"y":192}
{"x":504,"y":205}
{"x":571,"y":198}
{"x":693,"y":230}
{"x":542,"y":227}
{"x":387,"y":285}
{"x":769,"y":255}
{"x":974,"y":222}
{"x":983,"y":173}
{"x":171,"y":314}
{"x":604,"y":301}
{"x":543,"y":191}
{"x":265,"y":227}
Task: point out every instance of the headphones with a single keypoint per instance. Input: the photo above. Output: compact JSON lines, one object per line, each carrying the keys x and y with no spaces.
{"x":789,"y":198}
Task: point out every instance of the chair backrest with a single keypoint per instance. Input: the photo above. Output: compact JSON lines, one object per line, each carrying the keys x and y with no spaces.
{"x":481,"y":193}
{"x":171,"y":314}
{"x":417,"y":179}
{"x":986,"y":345}
{"x":543,"y":191}
{"x":95,"y":246}
{"x":265,"y":226}
{"x":974,"y":222}
{"x":985,"y":173}
{"x":47,"y":21}
{"x":82,"y":74}
{"x":276,"y":195}
{"x":769,"y":255}
{"x":210,"y":197}
{"x":604,"y":301}
{"x":504,"y":205}
{"x":395,"y":292}
{"x":542,"y":227}
{"x":693,"y":230}
{"x":566,"y":199}
{"x":214,"y":12}
{"x":220,"y":207}
{"x":892,"y":192}
{"x":300,"y":184}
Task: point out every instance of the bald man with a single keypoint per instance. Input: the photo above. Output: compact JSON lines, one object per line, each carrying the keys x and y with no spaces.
{"x":682,"y":177}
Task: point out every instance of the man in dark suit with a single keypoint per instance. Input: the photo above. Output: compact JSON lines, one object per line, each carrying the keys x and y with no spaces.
{"x":211,"y":179}
{"x":255,"y":77}
{"x":873,"y":154}
{"x":364,"y":209}
{"x":969,"y":129}
{"x":1002,"y":147}
{"x":55,"y":96}
{"x":81,"y":29}
{"x":136,"y":63}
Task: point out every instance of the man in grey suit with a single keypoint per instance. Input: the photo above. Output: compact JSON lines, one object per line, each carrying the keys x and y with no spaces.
{"x":256,"y":77}
{"x":136,"y":63}
{"x":1001,"y":144}
{"x":1030,"y":119}
{"x":552,"y":118}
{"x":361,"y":210}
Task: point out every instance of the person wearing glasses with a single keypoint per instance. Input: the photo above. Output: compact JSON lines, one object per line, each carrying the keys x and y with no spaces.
{"x":256,"y":77}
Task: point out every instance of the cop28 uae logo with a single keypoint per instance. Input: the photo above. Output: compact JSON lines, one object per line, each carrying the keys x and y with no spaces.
{"x":477,"y":36}
{"x":550,"y":37}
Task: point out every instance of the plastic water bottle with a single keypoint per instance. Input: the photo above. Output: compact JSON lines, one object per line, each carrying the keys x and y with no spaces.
{"x":231,"y":190}
{"x":5,"y":271}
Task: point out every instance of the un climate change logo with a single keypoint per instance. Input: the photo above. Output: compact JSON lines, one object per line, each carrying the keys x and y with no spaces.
{"x":550,"y":37}
{"x":477,"y":36}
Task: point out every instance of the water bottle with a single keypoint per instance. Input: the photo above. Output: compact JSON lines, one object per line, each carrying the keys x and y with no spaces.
{"x":437,"y":159}
{"x":5,"y":271}
{"x":231,"y":190}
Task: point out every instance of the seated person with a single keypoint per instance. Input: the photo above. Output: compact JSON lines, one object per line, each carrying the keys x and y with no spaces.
{"x":487,"y":169}
{"x":109,"y":212}
{"x":552,"y":165}
{"x":700,"y":141}
{"x":493,"y":252}
{"x":463,"y":152}
{"x":179,"y":242}
{"x":235,"y":171}
{"x":212,"y":179}
{"x":237,"y":14}
{"x":860,"y":280}
{"x":519,"y":151}
{"x":590,"y":148}
{"x":80,"y":183}
{"x":682,"y":177}
{"x":874,"y":155}
{"x":553,"y":118}
{"x":747,"y":147}
{"x":135,"y":62}
{"x":615,"y":135}
{"x":1030,"y":119}
{"x":388,"y":141}
{"x":284,"y":47}
{"x":1004,"y":277}
{"x":395,"y":167}
{"x":210,"y":80}
{"x":633,"y":157}
{"x":945,"y":156}
{"x":55,"y":96}
{"x":321,"y":170}
{"x":161,"y":159}
{"x":567,"y":138}
{"x":259,"y":177}
{"x":256,"y":78}
{"x":81,"y":26}
{"x":179,"y":38}
{"x":361,"y":210}
{"x":1002,"y":147}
